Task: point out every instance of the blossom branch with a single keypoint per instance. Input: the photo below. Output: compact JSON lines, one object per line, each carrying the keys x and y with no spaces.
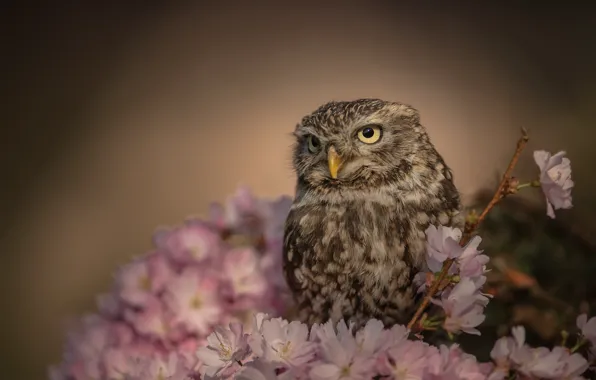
{"x":502,"y":191}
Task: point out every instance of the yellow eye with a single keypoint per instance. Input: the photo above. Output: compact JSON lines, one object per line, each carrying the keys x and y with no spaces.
{"x":313,"y":144}
{"x":370,"y":134}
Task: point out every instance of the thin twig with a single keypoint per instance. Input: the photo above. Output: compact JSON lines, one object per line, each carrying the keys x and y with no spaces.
{"x":501,"y":192}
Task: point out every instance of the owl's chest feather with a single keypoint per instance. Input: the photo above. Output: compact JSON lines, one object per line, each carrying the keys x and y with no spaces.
{"x":358,"y":237}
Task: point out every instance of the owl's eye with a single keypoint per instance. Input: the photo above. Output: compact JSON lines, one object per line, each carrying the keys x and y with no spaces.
{"x":370,"y":134}
{"x":313,"y":144}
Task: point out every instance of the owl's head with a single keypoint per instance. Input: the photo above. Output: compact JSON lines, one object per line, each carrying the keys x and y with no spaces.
{"x":361,"y":144}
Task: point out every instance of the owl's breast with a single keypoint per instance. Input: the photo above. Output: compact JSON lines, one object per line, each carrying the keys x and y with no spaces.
{"x":355,"y":238}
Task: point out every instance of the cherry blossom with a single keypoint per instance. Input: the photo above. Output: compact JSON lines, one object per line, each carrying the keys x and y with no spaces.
{"x":407,"y":360}
{"x":194,"y":299}
{"x":140,"y":280}
{"x":285,"y":343}
{"x":226,"y":347}
{"x":463,"y":307}
{"x":587,"y":327}
{"x":194,"y":241}
{"x":555,"y":179}
{"x":241,"y":267}
{"x":443,"y":243}
{"x":341,"y":359}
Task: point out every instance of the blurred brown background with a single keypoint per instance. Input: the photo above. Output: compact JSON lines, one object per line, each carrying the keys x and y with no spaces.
{"x":120,"y":118}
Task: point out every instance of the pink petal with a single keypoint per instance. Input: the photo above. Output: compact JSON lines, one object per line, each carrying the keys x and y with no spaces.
{"x":325,"y":372}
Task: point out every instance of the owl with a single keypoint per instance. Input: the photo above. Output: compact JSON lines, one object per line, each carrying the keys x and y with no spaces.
{"x":369,"y":183}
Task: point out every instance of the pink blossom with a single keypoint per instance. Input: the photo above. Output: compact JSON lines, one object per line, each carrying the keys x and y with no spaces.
{"x":394,"y":336}
{"x":241,"y":269}
{"x":424,"y":279}
{"x":587,"y":327}
{"x":555,"y":179}
{"x":341,"y":359}
{"x":151,"y":367}
{"x":441,"y":246}
{"x":275,"y":214}
{"x":463,"y":307}
{"x":168,"y":300}
{"x":109,"y":305}
{"x":193,"y":297}
{"x":120,"y":363}
{"x":321,"y":332}
{"x":257,"y":322}
{"x":472,"y":263}
{"x":468,"y":368}
{"x":143,"y":278}
{"x":443,"y":243}
{"x":242,"y":212}
{"x":87,"y":344}
{"x":191,"y":242}
{"x":56,"y":372}
{"x":187,"y":349}
{"x":226,"y":347}
{"x":151,"y":320}
{"x":271,"y":263}
{"x":481,"y":298}
{"x":519,"y":336}
{"x":500,"y":354}
{"x":519,"y":352}
{"x":91,"y":336}
{"x":285,"y":342}
{"x":465,"y":317}
{"x":407,"y":360}
{"x":255,"y":338}
{"x":451,"y":363}
{"x":513,"y":354}
{"x":373,"y":337}
{"x":575,"y":366}
{"x":541,"y":362}
{"x":257,"y":370}
{"x":473,"y":266}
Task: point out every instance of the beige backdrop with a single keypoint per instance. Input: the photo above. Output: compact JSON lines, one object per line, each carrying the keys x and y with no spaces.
{"x":143,"y":116}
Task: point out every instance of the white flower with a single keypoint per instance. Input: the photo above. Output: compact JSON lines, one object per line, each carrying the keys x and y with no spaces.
{"x":225,"y":348}
{"x":555,"y":179}
{"x":286,"y":343}
{"x":443,"y":242}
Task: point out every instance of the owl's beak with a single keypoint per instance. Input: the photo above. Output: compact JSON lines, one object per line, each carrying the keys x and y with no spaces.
{"x":334,"y":162}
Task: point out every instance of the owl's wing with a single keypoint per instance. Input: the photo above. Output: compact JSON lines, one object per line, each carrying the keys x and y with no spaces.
{"x":292,"y":252}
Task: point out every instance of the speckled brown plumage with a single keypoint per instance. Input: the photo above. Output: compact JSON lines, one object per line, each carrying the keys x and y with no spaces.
{"x":353,"y":244}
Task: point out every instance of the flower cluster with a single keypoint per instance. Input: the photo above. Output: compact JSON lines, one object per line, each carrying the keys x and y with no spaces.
{"x":513,"y":355}
{"x":555,"y":180}
{"x":280,"y":349}
{"x":165,"y":317}
{"x":165,"y":303}
{"x":461,"y":298}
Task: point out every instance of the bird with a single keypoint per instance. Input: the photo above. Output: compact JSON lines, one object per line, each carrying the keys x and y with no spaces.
{"x":369,"y":182}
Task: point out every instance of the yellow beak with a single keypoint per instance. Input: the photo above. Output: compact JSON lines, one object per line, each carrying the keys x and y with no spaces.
{"x":334,"y":162}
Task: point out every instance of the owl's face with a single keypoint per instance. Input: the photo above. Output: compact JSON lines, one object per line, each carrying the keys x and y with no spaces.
{"x":358,"y":144}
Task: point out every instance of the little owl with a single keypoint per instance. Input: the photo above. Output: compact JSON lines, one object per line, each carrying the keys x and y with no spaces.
{"x":369,"y":183}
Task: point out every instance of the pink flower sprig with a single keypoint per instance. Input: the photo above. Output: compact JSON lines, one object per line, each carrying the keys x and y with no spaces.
{"x":166,"y":303}
{"x":460,"y":297}
{"x":513,"y":355}
{"x":280,"y":349}
{"x":555,"y":180}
